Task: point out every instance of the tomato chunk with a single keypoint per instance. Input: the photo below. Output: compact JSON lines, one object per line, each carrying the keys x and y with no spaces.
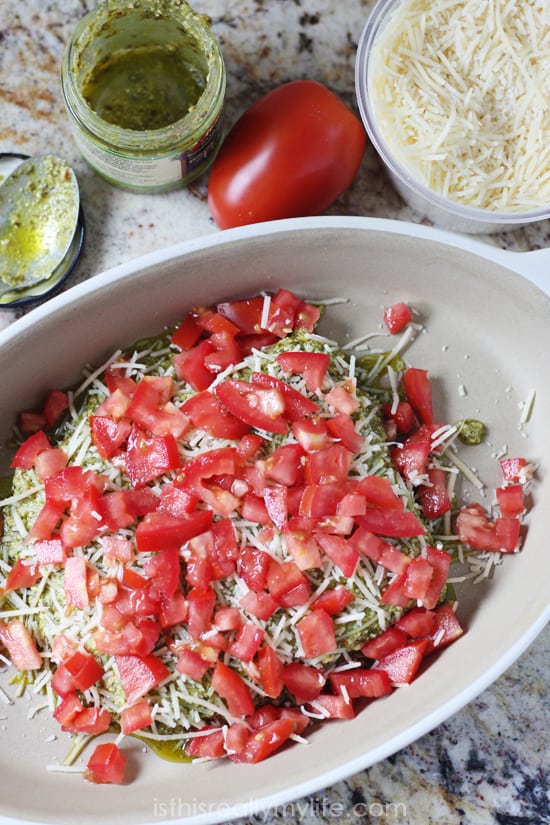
{"x":106,"y":765}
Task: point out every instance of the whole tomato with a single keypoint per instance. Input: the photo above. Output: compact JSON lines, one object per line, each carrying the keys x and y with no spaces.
{"x":292,"y":153}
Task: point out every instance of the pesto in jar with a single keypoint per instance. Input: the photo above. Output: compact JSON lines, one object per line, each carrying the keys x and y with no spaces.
{"x":144,"y":88}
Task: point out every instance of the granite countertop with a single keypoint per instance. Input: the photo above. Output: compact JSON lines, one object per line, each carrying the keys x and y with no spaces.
{"x":490,"y":762}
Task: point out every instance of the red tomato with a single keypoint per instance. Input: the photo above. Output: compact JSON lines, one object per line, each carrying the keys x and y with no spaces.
{"x":361,"y":682}
{"x":398,"y":523}
{"x":228,"y":684}
{"x":402,"y":664}
{"x":272,"y":670}
{"x":316,"y":632}
{"x":312,"y":365}
{"x":257,"y":406}
{"x":135,"y":717}
{"x":55,"y":405}
{"x":263,"y":742}
{"x":419,"y":393}
{"x":24,"y":573}
{"x":207,"y":413}
{"x":397,"y":317}
{"x":139,"y":674}
{"x":20,"y":645}
{"x":106,"y":765}
{"x":305,"y":682}
{"x":27,"y":453}
{"x":386,"y":642}
{"x":433,"y":496}
{"x":292,"y":153}
{"x":475,"y":529}
{"x":510,"y":499}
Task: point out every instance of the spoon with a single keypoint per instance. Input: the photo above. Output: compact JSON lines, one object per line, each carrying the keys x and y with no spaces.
{"x":39,"y":208}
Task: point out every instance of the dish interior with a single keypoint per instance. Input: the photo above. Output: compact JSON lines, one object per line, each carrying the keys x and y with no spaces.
{"x":482,"y":325}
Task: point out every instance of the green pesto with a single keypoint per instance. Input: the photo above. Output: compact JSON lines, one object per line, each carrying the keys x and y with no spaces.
{"x":471,"y":431}
{"x":145,"y":88}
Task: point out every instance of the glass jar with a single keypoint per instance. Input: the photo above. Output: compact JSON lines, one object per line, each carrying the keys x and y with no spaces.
{"x":144,"y":84}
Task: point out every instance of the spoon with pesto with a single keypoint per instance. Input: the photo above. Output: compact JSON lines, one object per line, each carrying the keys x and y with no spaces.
{"x":39,"y":206}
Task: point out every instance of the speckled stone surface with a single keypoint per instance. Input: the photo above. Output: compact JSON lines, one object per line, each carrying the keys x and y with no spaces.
{"x":490,"y":763}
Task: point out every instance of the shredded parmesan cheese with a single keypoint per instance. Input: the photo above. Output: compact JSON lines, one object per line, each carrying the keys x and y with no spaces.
{"x":461,"y":92}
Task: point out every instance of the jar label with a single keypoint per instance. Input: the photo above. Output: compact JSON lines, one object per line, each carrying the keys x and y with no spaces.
{"x":141,"y":173}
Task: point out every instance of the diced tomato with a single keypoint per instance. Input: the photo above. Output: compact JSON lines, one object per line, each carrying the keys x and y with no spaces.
{"x":275,"y":498}
{"x":316,"y":632}
{"x":328,"y":464}
{"x":263,"y":742}
{"x":403,"y":416}
{"x":341,"y":426}
{"x":28,"y":451}
{"x":75,"y":582}
{"x":106,"y":765}
{"x":433,"y":496}
{"x":447,"y":627}
{"x":209,"y":746}
{"x":381,"y":552}
{"x":340,"y":551}
{"x":386,"y":642}
{"x":418,"y":578}
{"x":56,"y":403}
{"x":513,"y":469}
{"x":475,"y":529}
{"x":305,"y":682}
{"x":84,"y":669}
{"x":343,"y":399}
{"x":247,"y":641}
{"x":510,"y":500}
{"x":24,"y":573}
{"x":397,"y":316}
{"x":411,"y":457}
{"x":402,"y":664}
{"x":320,"y":500}
{"x":297,"y":405}
{"x":50,"y":462}
{"x":151,"y":410}
{"x":355,"y":683}
{"x":253,"y":509}
{"x":228,"y":618}
{"x":379,"y":492}
{"x":201,"y":602}
{"x":216,"y":323}
{"x":207,"y":413}
{"x":20,"y":645}
{"x":284,"y":465}
{"x":392,"y":523}
{"x":271,"y":668}
{"x":394,"y":593}
{"x":417,"y":622}
{"x":160,"y":531}
{"x":257,"y":406}
{"x":261,"y":605}
{"x":311,"y":433}
{"x":67,"y":710}
{"x":245,"y":314}
{"x":140,"y":674}
{"x":233,"y":690}
{"x":191,"y":663}
{"x":108,"y":435}
{"x":312,"y":365}
{"x":333,"y":707}
{"x":303,"y":548}
{"x":187,"y":333}
{"x":417,"y":385}
{"x":226,"y":352}
{"x":334,"y":600}
{"x":253,"y":566}
{"x":93,"y":720}
{"x":149,"y":457}
{"x":440,"y":562}
{"x":287,"y":584}
{"x":190,"y":367}
{"x":135,"y":717}
{"x":116,"y":379}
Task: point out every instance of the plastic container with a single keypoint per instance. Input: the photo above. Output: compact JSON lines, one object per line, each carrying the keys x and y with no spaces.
{"x":144,"y":85}
{"x":440,"y":210}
